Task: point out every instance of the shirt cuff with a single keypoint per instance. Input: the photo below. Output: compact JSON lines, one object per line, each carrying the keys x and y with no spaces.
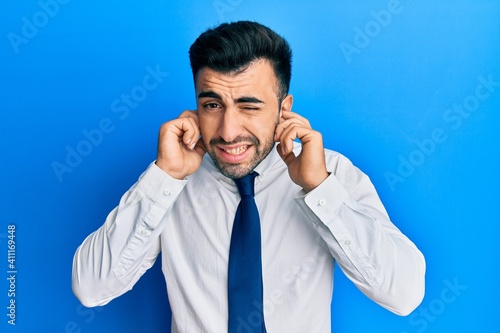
{"x":159,"y":186}
{"x":326,"y":199}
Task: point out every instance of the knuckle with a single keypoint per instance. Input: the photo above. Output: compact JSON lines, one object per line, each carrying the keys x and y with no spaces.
{"x":164,"y":126}
{"x":317,"y":135}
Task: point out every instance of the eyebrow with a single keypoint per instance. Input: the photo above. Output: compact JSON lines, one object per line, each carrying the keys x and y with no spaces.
{"x":209,"y":94}
{"x":244,"y":99}
{"x":249,"y":100}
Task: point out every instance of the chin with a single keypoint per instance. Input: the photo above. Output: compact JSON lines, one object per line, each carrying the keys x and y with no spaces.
{"x":234,"y":171}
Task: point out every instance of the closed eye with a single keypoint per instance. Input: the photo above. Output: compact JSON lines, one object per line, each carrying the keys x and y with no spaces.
{"x":249,"y":103}
{"x":250,"y":108}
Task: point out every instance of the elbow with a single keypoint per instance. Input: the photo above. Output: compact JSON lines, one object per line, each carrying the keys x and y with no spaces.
{"x":86,"y":295}
{"x":400,"y":296}
{"x":85,"y":288}
{"x":410,"y":290}
{"x":79,"y":290}
{"x":81,"y":293}
{"x":409,"y":301}
{"x":86,"y":301}
{"x":402,"y":291}
{"x":404,"y":299}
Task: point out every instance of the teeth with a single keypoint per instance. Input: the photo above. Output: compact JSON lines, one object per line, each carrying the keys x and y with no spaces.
{"x":236,"y":151}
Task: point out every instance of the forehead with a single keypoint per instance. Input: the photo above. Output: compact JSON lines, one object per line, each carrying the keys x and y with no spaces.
{"x":257,"y":78}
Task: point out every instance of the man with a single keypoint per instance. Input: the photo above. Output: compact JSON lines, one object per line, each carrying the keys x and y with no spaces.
{"x":315,"y":207}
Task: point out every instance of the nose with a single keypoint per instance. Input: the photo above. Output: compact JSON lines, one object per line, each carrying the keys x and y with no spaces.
{"x":230,"y":126}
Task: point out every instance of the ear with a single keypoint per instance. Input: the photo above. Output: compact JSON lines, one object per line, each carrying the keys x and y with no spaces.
{"x":286,"y":104}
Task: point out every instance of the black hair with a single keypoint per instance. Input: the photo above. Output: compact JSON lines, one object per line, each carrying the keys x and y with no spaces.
{"x":231,"y":47}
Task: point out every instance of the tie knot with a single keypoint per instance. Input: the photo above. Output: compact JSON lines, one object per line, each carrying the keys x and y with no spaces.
{"x":245,"y":184}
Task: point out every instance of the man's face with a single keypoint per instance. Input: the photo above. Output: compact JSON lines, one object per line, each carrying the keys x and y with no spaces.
{"x":238,"y":114}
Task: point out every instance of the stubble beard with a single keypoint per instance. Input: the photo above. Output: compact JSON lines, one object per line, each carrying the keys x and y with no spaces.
{"x":236,"y":171}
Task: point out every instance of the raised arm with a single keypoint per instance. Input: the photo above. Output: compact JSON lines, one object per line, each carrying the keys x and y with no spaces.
{"x":382,"y":262}
{"x":113,"y":258}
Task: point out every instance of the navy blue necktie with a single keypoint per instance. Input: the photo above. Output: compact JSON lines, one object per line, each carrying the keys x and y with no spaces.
{"x":245,"y":293}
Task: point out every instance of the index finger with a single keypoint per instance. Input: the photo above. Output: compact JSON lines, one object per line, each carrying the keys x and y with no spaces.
{"x":287,"y":115}
{"x":189,"y":114}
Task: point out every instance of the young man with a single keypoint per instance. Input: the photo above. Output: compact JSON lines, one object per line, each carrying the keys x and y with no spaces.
{"x":314,"y":207}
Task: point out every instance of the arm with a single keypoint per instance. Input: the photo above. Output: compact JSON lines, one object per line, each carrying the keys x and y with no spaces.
{"x":383,"y":263}
{"x":113,"y":258}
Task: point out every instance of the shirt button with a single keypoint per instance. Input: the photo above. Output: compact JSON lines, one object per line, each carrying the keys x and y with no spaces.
{"x":143,"y":233}
{"x":166,"y":192}
{"x":347,"y":242}
{"x":322,"y":202}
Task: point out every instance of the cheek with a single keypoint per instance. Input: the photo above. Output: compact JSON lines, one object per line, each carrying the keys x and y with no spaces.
{"x":207,"y":126}
{"x":265,"y":126}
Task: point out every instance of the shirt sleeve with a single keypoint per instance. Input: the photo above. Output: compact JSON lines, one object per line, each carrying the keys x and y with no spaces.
{"x":382,"y":262}
{"x":113,"y":258}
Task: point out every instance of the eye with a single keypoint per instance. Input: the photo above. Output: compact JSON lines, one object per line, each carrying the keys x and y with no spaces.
{"x":211,"y":106}
{"x":250,"y":108}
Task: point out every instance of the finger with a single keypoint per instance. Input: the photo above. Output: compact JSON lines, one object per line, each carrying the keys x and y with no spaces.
{"x":191,"y":132}
{"x":286,"y":138}
{"x":287,"y":124}
{"x":285,"y":115}
{"x":189,"y":113}
{"x":183,"y":129}
{"x":200,"y":148}
{"x":288,"y":158}
{"x":288,"y":118}
{"x":294,"y":132}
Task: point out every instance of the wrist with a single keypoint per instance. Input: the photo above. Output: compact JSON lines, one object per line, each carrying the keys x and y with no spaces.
{"x":164,"y":167}
{"x":317,"y":182}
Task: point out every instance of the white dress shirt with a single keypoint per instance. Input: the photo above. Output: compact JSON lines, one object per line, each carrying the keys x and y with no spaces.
{"x":190,"y":221}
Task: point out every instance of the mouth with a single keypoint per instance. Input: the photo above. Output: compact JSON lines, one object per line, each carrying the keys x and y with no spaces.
{"x":234,"y":154}
{"x":235,"y":151}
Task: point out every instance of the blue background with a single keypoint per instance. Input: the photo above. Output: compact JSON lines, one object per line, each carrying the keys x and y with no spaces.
{"x":381,"y":89}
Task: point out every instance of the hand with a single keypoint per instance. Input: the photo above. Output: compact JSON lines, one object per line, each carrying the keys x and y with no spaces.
{"x":308,"y":169}
{"x":180,"y":150}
